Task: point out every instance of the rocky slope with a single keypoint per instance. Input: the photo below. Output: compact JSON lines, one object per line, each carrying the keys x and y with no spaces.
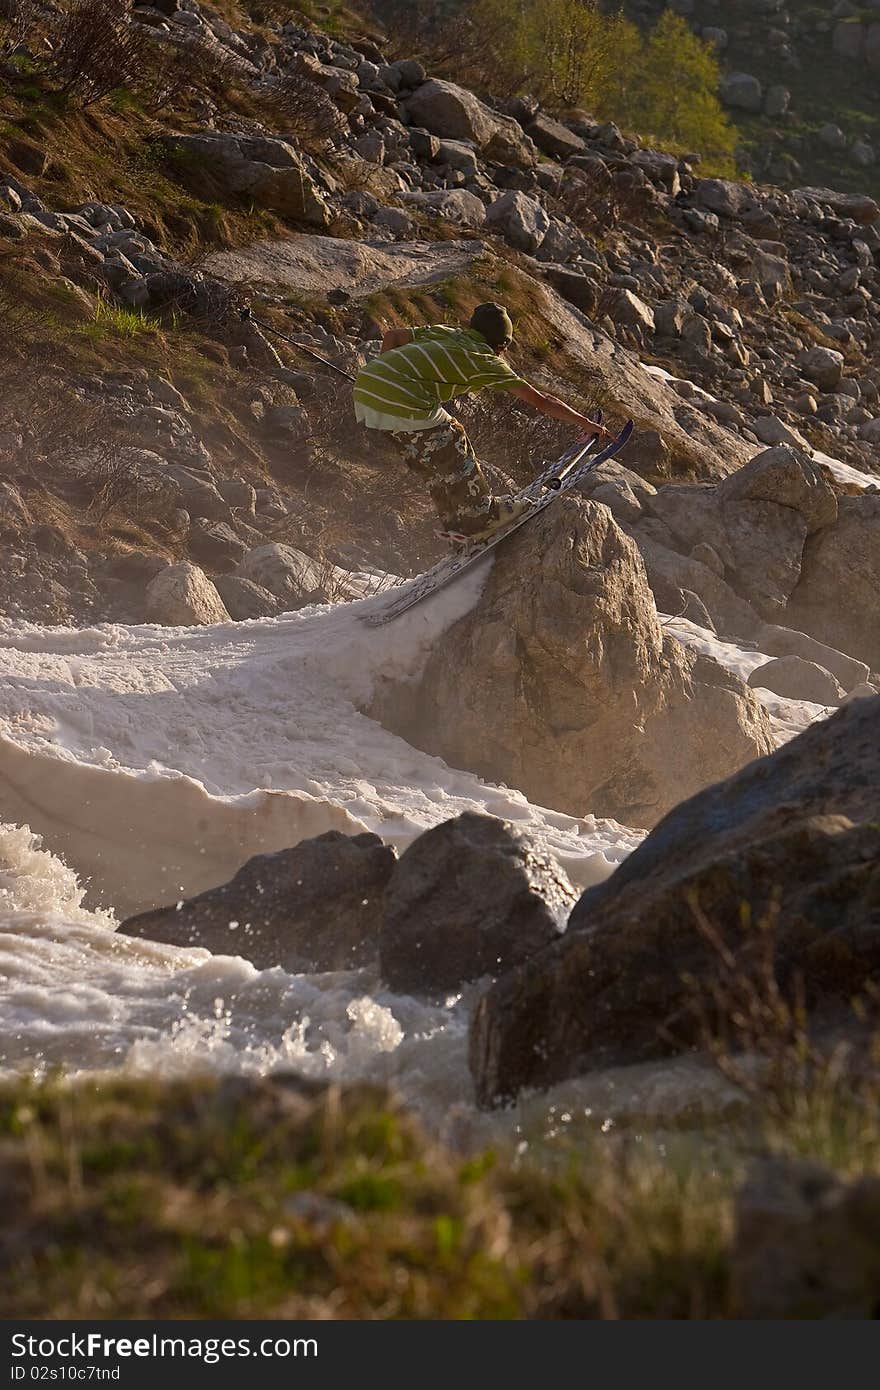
{"x":189,"y":439}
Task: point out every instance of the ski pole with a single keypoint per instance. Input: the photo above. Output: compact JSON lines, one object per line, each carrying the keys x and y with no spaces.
{"x":246,"y":316}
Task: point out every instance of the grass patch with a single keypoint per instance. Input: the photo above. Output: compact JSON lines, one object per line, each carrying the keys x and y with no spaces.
{"x":112,"y":321}
{"x":277,"y":1198}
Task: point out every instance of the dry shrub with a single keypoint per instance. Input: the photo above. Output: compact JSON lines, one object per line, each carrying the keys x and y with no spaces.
{"x":16,"y":23}
{"x":304,"y":111}
{"x":818,"y":1091}
{"x":595,"y":201}
{"x":183,"y":67}
{"x":53,"y":420}
{"x":98,"y":50}
{"x":121,"y":492}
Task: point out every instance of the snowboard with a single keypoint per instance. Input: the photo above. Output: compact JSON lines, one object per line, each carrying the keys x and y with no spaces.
{"x":565,"y":475}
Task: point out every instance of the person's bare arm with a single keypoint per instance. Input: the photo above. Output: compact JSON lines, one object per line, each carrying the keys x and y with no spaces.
{"x":554,"y":407}
{"x":395,"y":337}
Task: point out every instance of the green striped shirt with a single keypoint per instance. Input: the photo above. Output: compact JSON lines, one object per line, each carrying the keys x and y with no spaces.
{"x":407,"y":386}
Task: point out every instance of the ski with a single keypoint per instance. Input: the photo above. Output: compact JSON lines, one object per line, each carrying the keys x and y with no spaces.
{"x":550,"y":477}
{"x":554,"y":471}
{"x":572,"y":470}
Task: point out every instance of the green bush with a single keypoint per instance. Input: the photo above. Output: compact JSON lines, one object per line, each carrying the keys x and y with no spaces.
{"x":569,"y":53}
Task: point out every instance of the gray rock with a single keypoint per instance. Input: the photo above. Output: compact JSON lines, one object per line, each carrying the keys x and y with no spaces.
{"x":628,"y":309}
{"x":521,"y":220}
{"x":411,"y":72}
{"x":862,"y":209}
{"x":287,"y":573}
{"x":742,"y":91}
{"x":795,"y":835}
{"x":315,"y":907}
{"x":553,"y":138}
{"x":836,"y":599}
{"x":395,"y":221}
{"x":832,"y":137}
{"x":461,"y":155}
{"x":848,"y":40}
{"x":863,"y":154}
{"x":671,"y":315}
{"x":777,"y":101}
{"x":244,"y":599}
{"x":821,"y":365}
{"x":771,"y":430}
{"x":265,"y":169}
{"x":240,"y":495}
{"x":578,"y":289}
{"x":725,"y":197}
{"x":796,"y":679}
{"x":183,"y":596}
{"x":789,"y":478}
{"x":471,"y":897}
{"x":454,"y":113}
{"x":214,"y":544}
{"x":783,"y":641}
{"x":450,"y":205}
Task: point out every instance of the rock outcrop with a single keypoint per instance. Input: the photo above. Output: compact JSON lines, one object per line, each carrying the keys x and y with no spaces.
{"x":317,"y":906}
{"x":561,"y":682}
{"x":836,"y":599}
{"x":471,"y":897}
{"x":756,"y":521}
{"x":454,"y":113}
{"x":265,"y":169}
{"x":791,"y":844}
{"x":796,"y":679}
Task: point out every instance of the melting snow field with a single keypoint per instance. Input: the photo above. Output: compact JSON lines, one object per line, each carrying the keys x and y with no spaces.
{"x":152,"y":762}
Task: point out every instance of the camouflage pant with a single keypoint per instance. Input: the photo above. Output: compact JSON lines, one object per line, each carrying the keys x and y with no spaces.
{"x":445,"y":459}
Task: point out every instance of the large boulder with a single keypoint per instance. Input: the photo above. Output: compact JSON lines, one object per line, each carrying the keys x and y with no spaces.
{"x":560,"y":681}
{"x":785,"y":856}
{"x":671,"y":575}
{"x":453,"y":113}
{"x":787,"y":477}
{"x":183,"y":596}
{"x":267,"y":170}
{"x":244,"y":599}
{"x":725,"y":197}
{"x":450,"y":205}
{"x":858,"y":206}
{"x":632,"y":312}
{"x":796,"y":679}
{"x":578,"y":289}
{"x":759,"y":543}
{"x":784,"y":641}
{"x":836,"y":599}
{"x":553,"y":138}
{"x":756,"y":520}
{"x":742,"y":91}
{"x":521,"y":220}
{"x":287,"y":573}
{"x":317,"y":906}
{"x":473,"y":896}
{"x":821,"y":365}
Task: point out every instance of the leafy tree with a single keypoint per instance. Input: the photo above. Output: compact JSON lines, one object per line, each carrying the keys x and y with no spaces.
{"x":671,"y":93}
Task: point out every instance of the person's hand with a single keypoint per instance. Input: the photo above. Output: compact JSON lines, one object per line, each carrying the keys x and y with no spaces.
{"x":593,"y":430}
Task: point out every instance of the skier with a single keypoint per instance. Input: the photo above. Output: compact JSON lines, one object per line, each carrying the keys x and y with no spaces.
{"x":402,"y":391}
